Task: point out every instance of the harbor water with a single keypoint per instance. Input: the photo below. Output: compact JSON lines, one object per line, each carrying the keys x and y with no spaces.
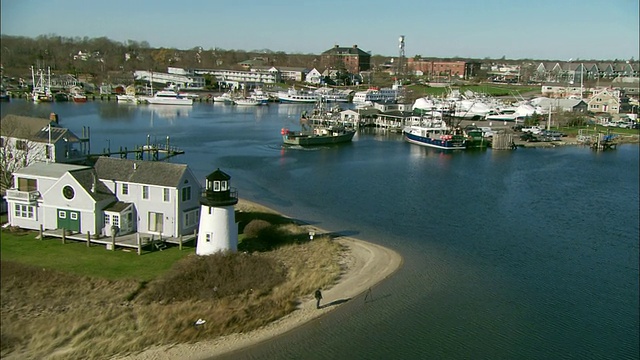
{"x":523,"y":254}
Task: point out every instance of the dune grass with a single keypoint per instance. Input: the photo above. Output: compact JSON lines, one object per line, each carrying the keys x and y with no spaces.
{"x":68,"y":301}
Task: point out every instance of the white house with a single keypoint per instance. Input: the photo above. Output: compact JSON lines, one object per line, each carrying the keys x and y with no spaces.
{"x":36,"y":139}
{"x":313,"y":77}
{"x":120,"y":195}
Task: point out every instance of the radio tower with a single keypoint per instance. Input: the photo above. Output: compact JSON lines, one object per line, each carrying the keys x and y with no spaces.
{"x":401,"y":57}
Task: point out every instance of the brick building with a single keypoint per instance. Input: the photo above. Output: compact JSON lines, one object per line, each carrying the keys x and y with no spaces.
{"x":434,"y":68}
{"x":352,"y":59}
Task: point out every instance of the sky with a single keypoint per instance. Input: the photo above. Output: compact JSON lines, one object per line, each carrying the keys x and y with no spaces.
{"x":568,"y":30}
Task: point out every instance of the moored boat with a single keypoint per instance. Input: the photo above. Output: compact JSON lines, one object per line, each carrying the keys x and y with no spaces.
{"x":168,"y":97}
{"x":297,"y":96}
{"x":318,"y":135}
{"x":247,"y":102}
{"x":439,"y":137}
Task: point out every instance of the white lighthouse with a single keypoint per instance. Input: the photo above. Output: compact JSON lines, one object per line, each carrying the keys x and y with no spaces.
{"x":218,"y":230}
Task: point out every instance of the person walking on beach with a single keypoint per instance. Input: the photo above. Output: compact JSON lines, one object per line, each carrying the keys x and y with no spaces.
{"x":318,"y":298}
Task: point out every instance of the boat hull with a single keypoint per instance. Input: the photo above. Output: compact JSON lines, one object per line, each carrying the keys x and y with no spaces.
{"x":452,"y":144}
{"x":303,"y":139}
{"x":170,"y":101}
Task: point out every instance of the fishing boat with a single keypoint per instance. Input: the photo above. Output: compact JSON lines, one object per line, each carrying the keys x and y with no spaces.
{"x":77,"y":95}
{"x":226,"y":98}
{"x":436,"y":134}
{"x":41,"y":89}
{"x":317,"y":135}
{"x":321,"y":127}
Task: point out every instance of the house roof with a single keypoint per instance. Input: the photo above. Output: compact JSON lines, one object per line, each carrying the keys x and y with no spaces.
{"x":34,"y":129}
{"x":50,"y":170}
{"x":87,"y":178}
{"x":353,"y":50}
{"x":140,"y":171}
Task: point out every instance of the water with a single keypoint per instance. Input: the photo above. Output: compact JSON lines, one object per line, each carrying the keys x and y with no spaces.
{"x":525,"y":254}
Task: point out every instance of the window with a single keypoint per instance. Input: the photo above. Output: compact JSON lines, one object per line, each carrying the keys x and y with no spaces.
{"x":73,"y":215}
{"x":125,"y":189}
{"x":21,"y":145}
{"x":224,"y":185}
{"x":166,"y":195}
{"x":27,"y":184}
{"x":107,"y":219}
{"x":116,"y":220}
{"x":191,"y":217}
{"x":24,"y":211}
{"x":62,"y":214}
{"x":145,"y":192}
{"x":207,"y":237}
{"x":216,"y":185}
{"x":186,"y":193}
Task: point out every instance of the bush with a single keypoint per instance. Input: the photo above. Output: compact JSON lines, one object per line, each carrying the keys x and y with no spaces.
{"x":254,"y":227}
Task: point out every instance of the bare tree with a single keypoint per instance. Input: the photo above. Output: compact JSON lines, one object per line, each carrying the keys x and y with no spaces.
{"x":14,"y":155}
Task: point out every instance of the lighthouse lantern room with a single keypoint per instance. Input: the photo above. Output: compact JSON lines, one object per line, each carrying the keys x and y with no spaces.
{"x":218,"y":230}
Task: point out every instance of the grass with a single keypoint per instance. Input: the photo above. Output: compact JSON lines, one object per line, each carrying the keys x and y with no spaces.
{"x":67,"y":301}
{"x":76,"y":257}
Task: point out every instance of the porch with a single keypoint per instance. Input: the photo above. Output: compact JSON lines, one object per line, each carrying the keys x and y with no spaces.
{"x":127,"y":242}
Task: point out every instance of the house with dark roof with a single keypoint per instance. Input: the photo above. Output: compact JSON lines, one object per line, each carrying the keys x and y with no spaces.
{"x":352,"y":59}
{"x":115,"y":197}
{"x":29,"y":140}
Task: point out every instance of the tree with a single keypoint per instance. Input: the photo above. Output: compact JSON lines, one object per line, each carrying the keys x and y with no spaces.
{"x":14,"y":155}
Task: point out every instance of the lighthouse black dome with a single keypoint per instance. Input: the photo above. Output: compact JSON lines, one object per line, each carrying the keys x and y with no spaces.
{"x":217,"y":190}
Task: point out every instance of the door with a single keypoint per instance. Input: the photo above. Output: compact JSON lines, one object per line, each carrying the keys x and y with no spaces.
{"x":69,"y":220}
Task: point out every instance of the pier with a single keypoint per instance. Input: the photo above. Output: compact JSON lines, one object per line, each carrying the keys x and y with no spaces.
{"x":148,"y":151}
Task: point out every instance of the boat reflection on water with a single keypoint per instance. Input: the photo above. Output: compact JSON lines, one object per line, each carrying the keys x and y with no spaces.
{"x":168,"y":112}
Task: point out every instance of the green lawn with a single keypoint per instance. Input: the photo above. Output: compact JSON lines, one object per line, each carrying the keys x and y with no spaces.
{"x":77,"y":258}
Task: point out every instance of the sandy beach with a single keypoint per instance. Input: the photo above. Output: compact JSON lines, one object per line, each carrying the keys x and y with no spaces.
{"x":367,"y":264}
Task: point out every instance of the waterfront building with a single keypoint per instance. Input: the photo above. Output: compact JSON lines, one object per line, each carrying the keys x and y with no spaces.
{"x":115,"y":197}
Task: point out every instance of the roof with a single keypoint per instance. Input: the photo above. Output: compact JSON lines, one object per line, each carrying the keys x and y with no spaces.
{"x":338,"y":50}
{"x":87,"y":178}
{"x":50,"y":170}
{"x":140,"y":171}
{"x":34,"y":129}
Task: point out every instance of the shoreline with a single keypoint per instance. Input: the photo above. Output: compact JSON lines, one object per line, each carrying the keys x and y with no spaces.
{"x":368,"y":265}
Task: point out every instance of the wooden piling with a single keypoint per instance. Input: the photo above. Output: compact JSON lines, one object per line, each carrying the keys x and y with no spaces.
{"x":64,"y":235}
{"x":139,"y":243}
{"x":113,"y":241}
{"x":41,"y":232}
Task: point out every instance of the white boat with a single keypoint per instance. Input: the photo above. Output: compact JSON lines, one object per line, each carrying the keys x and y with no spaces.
{"x":376,"y":94}
{"x":129,"y":96}
{"x":333,"y":95}
{"x":226,"y":98}
{"x":260,"y":96}
{"x":41,"y":90}
{"x":168,"y":97}
{"x":249,"y":101}
{"x":297,"y":96}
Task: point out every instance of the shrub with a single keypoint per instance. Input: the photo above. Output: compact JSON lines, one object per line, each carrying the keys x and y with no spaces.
{"x":254,"y":227}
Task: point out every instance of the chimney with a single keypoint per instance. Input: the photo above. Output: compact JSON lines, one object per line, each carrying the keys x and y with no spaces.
{"x":355,"y":46}
{"x":94,"y":183}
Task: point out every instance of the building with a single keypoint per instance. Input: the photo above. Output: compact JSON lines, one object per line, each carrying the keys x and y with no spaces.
{"x":314,"y":77}
{"x":448,"y":69}
{"x":605,"y":101}
{"x":25,"y":140}
{"x":116,"y":196}
{"x":352,"y":59}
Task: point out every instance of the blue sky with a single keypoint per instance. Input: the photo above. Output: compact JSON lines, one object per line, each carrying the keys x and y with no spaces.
{"x":516,"y":29}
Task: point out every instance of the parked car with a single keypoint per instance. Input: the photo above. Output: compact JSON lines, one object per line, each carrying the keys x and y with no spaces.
{"x":532,"y":129}
{"x":552,"y":133}
{"x":528,"y":137}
